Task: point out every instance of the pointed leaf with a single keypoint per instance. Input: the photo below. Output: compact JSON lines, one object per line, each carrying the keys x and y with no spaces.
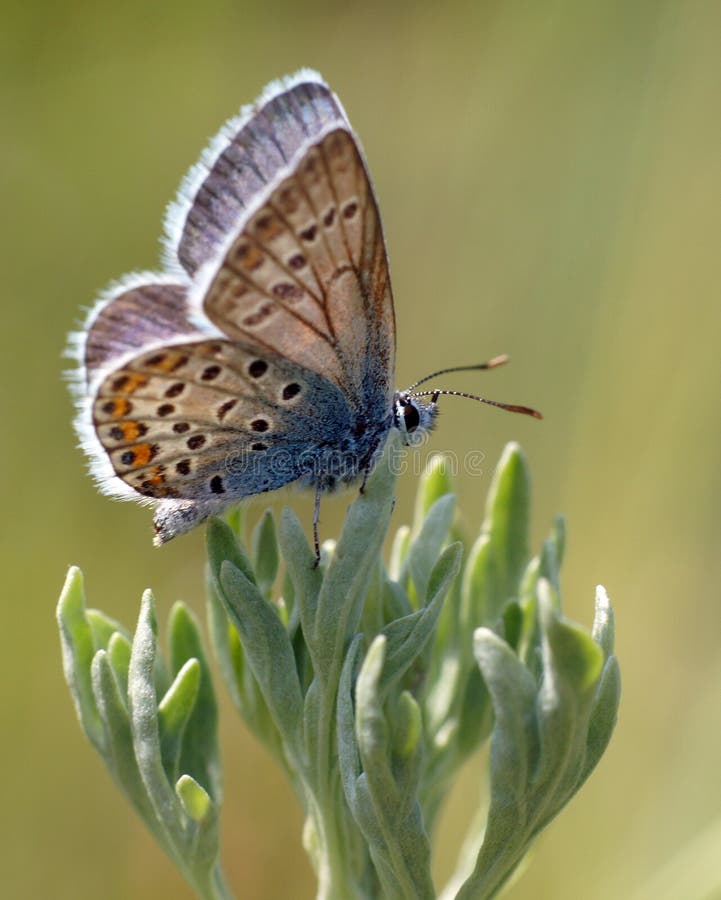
{"x":174,"y":712}
{"x":507,"y":516}
{"x":603,"y":622}
{"x":408,"y":726}
{"x":221,"y":633}
{"x":144,"y":718}
{"x":604,"y":715}
{"x":266,"y":553}
{"x":434,"y":483}
{"x":194,"y":798}
{"x":222,"y":544}
{"x":389,"y":813}
{"x":120,"y":753}
{"x":408,"y":637}
{"x":267,"y":649}
{"x":119,"y":649}
{"x":399,"y":552}
{"x":104,"y":627}
{"x":426,"y":547}
{"x":348,"y":758}
{"x":300,"y":564}
{"x":199,"y":747}
{"x":78,"y":649}
{"x":344,"y":587}
{"x":513,"y":692}
{"x":481,"y":600}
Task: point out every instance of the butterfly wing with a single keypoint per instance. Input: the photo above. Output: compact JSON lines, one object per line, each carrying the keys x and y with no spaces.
{"x":266,"y":353}
{"x":241,"y":161}
{"x":143,"y":309}
{"x":285,"y":241}
{"x":195,"y":426}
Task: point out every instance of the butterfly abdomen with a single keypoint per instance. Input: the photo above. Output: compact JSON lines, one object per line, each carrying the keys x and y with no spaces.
{"x":343,"y":461}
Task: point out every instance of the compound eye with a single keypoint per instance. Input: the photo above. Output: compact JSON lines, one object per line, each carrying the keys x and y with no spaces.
{"x":411,"y":417}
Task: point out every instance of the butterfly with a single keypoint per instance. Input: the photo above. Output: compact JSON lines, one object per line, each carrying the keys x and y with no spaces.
{"x":264,"y":352}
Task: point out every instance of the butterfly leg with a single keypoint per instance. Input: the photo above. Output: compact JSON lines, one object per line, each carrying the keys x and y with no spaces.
{"x":368,"y":469}
{"x":366,"y":473}
{"x":316,"y":519}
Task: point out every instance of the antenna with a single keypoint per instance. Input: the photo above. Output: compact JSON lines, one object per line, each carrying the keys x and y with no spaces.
{"x":510,"y":407}
{"x":491,"y":364}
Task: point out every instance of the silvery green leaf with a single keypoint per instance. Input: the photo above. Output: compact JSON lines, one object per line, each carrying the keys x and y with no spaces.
{"x":608,"y":693}
{"x":507,"y":515}
{"x":142,"y":742}
{"x":385,"y":808}
{"x":544,"y":743}
{"x":119,"y":755}
{"x":407,"y":637}
{"x":144,"y":718}
{"x":78,"y":649}
{"x":481,"y":602}
{"x":173,"y":713}
{"x":373,"y":612}
{"x":348,"y":757}
{"x":226,"y":644}
{"x":223,"y":546}
{"x":370,"y":740}
{"x":434,"y":483}
{"x":345,"y":583}
{"x":194,"y":798}
{"x":267,"y":649}
{"x":199,"y":748}
{"x":395,"y":600}
{"x":242,"y":684}
{"x":426,"y":545}
{"x":119,"y":650}
{"x":266,"y":554}
{"x":399,"y":552}
{"x":235,"y":518}
{"x":456,"y":704}
{"x":103,"y":627}
{"x":300,"y":562}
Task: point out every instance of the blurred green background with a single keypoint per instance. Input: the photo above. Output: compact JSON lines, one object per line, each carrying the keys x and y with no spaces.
{"x":549,"y":175}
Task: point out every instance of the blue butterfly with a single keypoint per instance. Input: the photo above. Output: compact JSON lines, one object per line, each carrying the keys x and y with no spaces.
{"x":264,"y":353}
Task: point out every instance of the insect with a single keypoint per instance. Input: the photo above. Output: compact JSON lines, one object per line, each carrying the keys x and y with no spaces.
{"x":264,"y":352}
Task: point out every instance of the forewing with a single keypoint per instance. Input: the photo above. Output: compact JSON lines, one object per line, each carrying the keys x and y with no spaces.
{"x":284,"y":237}
{"x":242,"y":160}
{"x":307,"y":275}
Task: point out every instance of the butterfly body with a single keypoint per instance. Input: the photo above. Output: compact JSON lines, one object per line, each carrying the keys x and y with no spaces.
{"x":264,"y":353}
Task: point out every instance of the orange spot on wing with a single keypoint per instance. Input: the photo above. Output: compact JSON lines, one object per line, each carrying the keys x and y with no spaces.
{"x":157,"y":478}
{"x":154,"y":485}
{"x":120,"y":407}
{"x":144,"y":453}
{"x":172,"y":362}
{"x":129,"y":383}
{"x":131,"y":430}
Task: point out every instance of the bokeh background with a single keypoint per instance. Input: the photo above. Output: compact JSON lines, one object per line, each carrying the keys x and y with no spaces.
{"x":549,"y":173}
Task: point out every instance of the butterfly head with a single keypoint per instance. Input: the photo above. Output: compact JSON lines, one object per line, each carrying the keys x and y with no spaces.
{"x":413,"y":417}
